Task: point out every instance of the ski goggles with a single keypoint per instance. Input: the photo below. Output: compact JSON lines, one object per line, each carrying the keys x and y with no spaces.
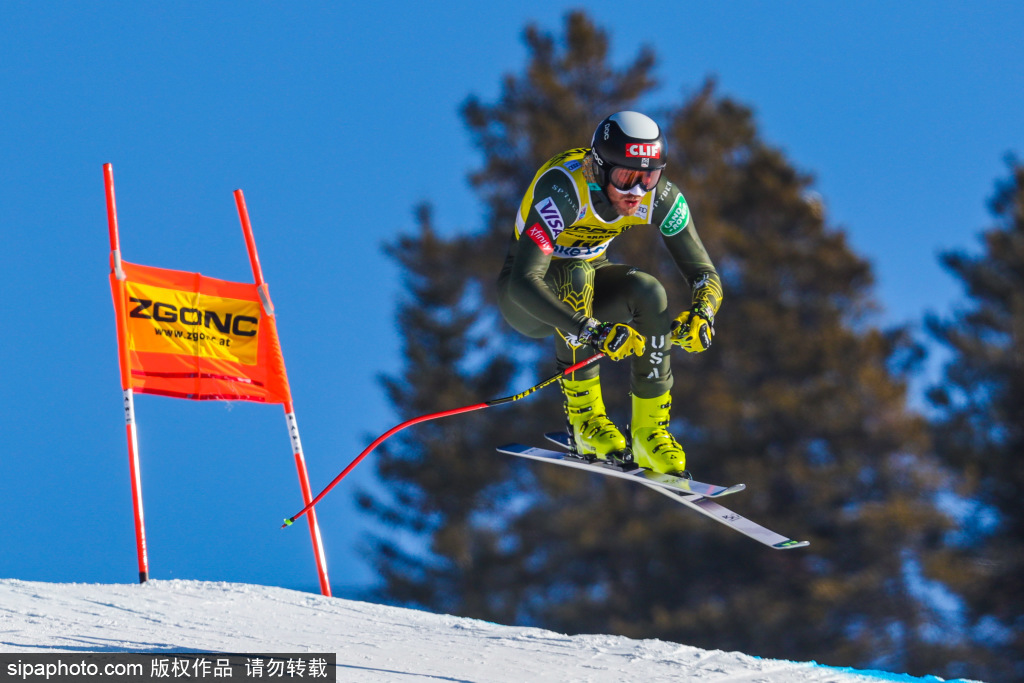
{"x":625,"y":179}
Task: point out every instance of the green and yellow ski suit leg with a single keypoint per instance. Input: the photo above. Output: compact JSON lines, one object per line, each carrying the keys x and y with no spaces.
{"x":608,"y":292}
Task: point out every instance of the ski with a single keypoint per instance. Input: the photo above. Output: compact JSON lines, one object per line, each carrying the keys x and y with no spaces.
{"x":690,"y":497}
{"x":562,"y":439}
{"x":666,"y":481}
{"x":733,"y":520}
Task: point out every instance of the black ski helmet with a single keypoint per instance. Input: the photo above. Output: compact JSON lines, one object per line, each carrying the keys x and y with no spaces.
{"x":629,"y":139}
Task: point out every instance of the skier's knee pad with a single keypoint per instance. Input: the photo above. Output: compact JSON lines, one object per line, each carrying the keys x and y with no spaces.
{"x":573,"y":282}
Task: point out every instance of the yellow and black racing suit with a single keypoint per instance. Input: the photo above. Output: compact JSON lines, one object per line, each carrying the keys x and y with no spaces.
{"x":557,"y":273}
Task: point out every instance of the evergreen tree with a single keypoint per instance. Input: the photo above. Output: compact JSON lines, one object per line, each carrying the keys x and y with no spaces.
{"x":799,"y":397}
{"x":449,"y":489}
{"x":980,"y":435}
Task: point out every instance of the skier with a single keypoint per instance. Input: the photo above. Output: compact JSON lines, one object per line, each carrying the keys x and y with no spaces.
{"x":557,"y":280}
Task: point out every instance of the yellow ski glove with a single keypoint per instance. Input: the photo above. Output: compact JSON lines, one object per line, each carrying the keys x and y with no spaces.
{"x":693,"y":330}
{"x":615,"y":340}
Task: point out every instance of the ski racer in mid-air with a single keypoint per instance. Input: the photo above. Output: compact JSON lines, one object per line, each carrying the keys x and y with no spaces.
{"x":557,"y":280}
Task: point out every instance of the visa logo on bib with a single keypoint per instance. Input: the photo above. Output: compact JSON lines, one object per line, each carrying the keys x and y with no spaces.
{"x":550,"y":215}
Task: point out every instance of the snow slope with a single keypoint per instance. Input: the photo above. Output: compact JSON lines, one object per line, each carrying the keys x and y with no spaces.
{"x":372,"y":642}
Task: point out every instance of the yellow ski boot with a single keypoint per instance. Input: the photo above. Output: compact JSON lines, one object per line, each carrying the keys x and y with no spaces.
{"x":592,"y":432}
{"x":653,"y":446}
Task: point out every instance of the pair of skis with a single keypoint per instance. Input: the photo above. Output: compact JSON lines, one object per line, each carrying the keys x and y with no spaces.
{"x":693,"y":494}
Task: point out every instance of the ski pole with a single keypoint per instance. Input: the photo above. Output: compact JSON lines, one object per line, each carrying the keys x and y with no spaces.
{"x":433,"y":416}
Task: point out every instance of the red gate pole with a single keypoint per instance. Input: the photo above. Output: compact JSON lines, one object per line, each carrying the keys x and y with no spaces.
{"x":124,"y":360}
{"x":289,"y":410}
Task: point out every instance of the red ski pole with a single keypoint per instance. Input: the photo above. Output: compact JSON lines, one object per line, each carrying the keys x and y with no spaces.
{"x":433,"y":416}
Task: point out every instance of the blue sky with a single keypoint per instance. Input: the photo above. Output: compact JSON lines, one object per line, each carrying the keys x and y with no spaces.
{"x":336,"y":120}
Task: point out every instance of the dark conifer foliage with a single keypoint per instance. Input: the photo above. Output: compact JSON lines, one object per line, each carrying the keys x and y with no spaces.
{"x":980,"y":434}
{"x":799,"y":397}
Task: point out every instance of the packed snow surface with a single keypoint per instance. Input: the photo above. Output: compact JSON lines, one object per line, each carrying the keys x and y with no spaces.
{"x":372,"y":642}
